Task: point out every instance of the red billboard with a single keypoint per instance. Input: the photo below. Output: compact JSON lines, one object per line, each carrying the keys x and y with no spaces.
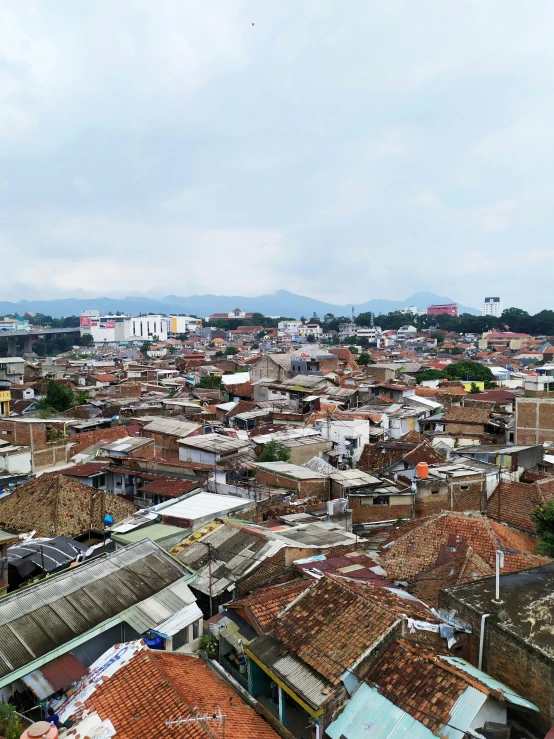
{"x":84,"y":321}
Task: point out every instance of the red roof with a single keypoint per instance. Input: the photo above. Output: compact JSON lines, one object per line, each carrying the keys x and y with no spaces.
{"x":105,"y":378}
{"x":171,"y":487}
{"x":86,"y":470}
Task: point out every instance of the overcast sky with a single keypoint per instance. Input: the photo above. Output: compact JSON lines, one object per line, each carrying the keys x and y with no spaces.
{"x":341,"y":149}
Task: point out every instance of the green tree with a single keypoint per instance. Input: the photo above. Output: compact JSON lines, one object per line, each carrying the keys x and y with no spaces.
{"x":232,"y":350}
{"x":86,"y":340}
{"x":274,"y":452}
{"x":10,"y":724}
{"x":310,"y":338}
{"x":474,"y":389}
{"x":364,"y":359}
{"x":543,"y":518}
{"x":212,"y":382}
{"x":353,"y":350}
{"x":145,"y":348}
{"x":438,"y":336}
{"x":58,"y":398}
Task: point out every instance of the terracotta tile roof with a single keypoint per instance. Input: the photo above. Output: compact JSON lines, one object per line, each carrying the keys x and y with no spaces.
{"x":412,"y":678}
{"x":458,"y":414}
{"x":377,"y":457}
{"x":330,"y":626}
{"x":466,"y":566}
{"x":105,"y":378}
{"x":154,"y":686}
{"x":423,"y":452}
{"x":418,"y":544}
{"x":245,"y":389}
{"x":272,"y":570}
{"x":53,"y":504}
{"x":513,"y":502}
{"x":264,"y":604}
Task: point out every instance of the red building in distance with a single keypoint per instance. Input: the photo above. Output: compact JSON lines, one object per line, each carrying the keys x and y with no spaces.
{"x":448,"y":309}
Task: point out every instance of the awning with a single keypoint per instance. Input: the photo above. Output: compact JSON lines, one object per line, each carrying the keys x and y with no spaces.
{"x":55,"y":676}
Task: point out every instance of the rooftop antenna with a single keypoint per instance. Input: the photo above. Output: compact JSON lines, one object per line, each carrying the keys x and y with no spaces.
{"x":372,"y":322}
{"x":212,"y":717}
{"x":352,"y":314}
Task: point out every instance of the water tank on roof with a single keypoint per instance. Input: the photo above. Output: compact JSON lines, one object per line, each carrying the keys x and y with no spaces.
{"x":422,"y":470}
{"x":42,"y":729}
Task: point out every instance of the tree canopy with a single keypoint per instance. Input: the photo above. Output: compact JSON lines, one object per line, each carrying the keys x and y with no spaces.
{"x":466,"y":371}
{"x":274,"y":452}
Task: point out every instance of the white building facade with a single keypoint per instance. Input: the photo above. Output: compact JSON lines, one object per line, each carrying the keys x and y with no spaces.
{"x":492,"y":307}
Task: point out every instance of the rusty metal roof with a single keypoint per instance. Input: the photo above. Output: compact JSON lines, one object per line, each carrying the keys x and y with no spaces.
{"x":55,"y":676}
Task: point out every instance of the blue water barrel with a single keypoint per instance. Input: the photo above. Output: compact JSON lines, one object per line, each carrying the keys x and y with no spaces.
{"x":154,"y":642}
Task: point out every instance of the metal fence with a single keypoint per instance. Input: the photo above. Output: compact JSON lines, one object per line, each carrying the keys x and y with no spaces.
{"x":235,"y":674}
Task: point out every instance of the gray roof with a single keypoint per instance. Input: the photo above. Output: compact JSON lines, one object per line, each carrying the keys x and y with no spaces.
{"x":234,"y":552}
{"x":214,"y":443}
{"x":43,"y":618}
{"x":171,"y":426}
{"x":289,"y":470}
{"x":307,"y":381}
{"x":316,"y":464}
{"x":295,"y":673}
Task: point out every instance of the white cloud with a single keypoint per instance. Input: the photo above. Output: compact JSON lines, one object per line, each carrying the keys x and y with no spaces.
{"x":347,"y":151}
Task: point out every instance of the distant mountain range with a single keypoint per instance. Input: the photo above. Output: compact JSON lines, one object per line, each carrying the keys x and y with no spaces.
{"x":280,"y":303}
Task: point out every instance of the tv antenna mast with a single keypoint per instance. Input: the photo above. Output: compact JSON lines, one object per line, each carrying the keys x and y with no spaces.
{"x":210,"y":717}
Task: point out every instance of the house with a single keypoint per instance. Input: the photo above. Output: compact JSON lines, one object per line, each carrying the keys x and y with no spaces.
{"x":47,"y":439}
{"x":211,"y":449}
{"x":466,"y":422}
{"x":372,"y":499}
{"x":272,"y":367}
{"x":301,"y":480}
{"x":166,"y":433}
{"x":324,"y":644}
{"x":348,"y":438}
{"x":511,"y":638}
{"x":303,"y":443}
{"x":12,"y":370}
{"x":453,"y":699}
{"x":87,"y":608}
{"x":169,"y":693}
{"x":220,"y":554}
{"x":54,"y":504}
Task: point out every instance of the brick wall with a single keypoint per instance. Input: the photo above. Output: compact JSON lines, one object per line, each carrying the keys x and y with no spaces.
{"x":362,"y":513}
{"x":513,"y":502}
{"x":464,"y":428}
{"x":305,"y":488}
{"x":534,"y":420}
{"x":462,"y":495}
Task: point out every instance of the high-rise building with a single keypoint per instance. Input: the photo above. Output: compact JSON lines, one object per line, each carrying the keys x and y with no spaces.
{"x":492,"y":307}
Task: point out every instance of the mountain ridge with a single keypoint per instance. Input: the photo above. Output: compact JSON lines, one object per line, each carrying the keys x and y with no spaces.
{"x":279,"y":303}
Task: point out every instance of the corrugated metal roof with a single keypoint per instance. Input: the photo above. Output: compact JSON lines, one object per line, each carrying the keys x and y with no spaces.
{"x":369,"y":715}
{"x":186,"y":616}
{"x":463,"y":712}
{"x":54,"y":676}
{"x":489,"y":681}
{"x":301,"y":679}
{"x":44,"y":617}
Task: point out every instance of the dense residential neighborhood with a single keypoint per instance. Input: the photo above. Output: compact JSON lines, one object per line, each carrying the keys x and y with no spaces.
{"x":271,"y":526}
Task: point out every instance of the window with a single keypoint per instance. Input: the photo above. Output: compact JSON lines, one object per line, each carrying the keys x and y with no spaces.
{"x":181,"y":638}
{"x":381,"y":500}
{"x":195,"y":629}
{"x":464,"y":487}
{"x":435,"y":492}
